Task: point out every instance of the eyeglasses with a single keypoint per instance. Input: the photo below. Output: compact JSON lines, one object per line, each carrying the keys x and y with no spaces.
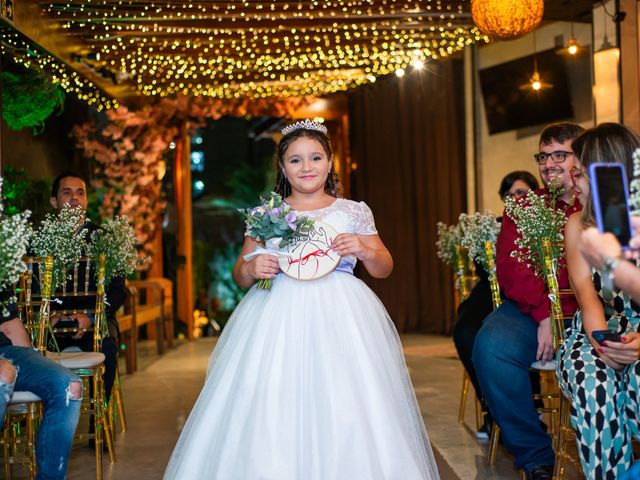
{"x":557,"y":157}
{"x":520,"y":192}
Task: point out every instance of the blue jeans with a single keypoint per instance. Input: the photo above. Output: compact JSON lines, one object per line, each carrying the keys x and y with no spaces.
{"x":51,"y":382}
{"x":504,"y":349}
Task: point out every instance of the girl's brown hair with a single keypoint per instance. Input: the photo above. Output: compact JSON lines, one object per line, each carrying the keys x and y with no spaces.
{"x":332,"y":185}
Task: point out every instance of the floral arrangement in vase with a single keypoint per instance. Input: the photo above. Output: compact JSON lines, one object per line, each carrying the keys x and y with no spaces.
{"x":116,"y":240}
{"x":537,"y":219}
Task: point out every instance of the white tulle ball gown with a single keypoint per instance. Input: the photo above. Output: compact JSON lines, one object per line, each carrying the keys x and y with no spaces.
{"x":308,"y":382}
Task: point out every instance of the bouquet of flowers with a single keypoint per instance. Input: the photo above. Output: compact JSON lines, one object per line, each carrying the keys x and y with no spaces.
{"x":536,"y":219}
{"x":62,"y":237}
{"x":634,"y":194}
{"x":15,"y":232}
{"x":277,"y":225}
{"x":476,"y":229}
{"x":117,"y":241}
{"x":448,"y":239}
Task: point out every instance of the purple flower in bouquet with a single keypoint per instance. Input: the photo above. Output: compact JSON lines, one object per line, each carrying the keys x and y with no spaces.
{"x":276,"y":225}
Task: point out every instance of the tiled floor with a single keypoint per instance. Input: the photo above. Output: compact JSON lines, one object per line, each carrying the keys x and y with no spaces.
{"x":159,"y":396}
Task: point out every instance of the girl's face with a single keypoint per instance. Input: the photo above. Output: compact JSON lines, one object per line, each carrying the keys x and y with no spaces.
{"x":306,"y":165}
{"x":580,"y":183}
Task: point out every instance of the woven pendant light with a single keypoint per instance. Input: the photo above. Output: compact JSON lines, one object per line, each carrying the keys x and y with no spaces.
{"x":507,"y":19}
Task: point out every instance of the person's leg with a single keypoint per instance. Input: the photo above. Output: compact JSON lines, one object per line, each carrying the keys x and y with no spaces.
{"x":471,"y":314}
{"x":597,"y":395}
{"x":502,"y":354}
{"x":7,"y":382}
{"x":61,"y":393}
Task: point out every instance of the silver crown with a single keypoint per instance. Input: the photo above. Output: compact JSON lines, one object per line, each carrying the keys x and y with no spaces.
{"x":306,"y":124}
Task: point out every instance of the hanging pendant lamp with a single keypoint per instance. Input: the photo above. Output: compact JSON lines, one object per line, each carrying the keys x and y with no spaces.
{"x":507,"y":19}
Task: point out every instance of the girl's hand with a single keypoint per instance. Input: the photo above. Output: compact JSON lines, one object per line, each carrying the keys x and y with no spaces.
{"x":262,"y":267}
{"x":625,"y":352}
{"x":347,"y":244}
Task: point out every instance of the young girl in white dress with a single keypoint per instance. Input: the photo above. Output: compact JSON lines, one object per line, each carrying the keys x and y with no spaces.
{"x":308,"y":379}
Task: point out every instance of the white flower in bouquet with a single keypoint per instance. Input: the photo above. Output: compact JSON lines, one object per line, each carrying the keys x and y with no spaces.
{"x":117,"y":241}
{"x":15,"y":232}
{"x":634,"y":193}
{"x":536,"y":219}
{"x":448,"y":239}
{"x":476,"y":229}
{"x":62,"y":237}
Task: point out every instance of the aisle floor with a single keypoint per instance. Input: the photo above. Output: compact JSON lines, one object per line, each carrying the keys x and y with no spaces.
{"x":160,"y":394}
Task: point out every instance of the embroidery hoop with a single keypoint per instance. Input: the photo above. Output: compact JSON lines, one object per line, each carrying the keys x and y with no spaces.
{"x":310,"y":258}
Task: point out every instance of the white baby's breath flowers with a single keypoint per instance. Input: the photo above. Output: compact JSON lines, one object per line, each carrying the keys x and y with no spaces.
{"x":476,"y":229}
{"x":15,"y":232}
{"x":448,"y":239}
{"x":536,"y":218}
{"x":117,"y":241}
{"x":61,"y":236}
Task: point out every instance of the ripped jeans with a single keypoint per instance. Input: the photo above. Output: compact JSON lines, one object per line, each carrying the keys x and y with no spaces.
{"x":51,"y":382}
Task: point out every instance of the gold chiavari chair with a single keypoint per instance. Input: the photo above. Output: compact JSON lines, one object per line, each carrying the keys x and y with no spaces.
{"x":24,"y":409}
{"x":564,"y":431}
{"x":89,"y":366}
{"x":465,"y":278}
{"x":555,"y":404}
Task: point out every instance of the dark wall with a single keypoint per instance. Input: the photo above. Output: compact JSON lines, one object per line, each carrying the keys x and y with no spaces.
{"x":407,"y":138}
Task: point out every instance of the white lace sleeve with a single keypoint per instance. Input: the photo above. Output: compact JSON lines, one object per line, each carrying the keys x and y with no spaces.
{"x":365,"y":224}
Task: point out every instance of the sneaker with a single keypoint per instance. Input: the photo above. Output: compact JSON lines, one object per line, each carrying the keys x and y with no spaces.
{"x":541,"y":472}
{"x":483,"y":433}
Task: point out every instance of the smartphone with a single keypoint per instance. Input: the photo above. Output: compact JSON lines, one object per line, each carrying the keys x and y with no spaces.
{"x":605,"y":336}
{"x":610,"y":195}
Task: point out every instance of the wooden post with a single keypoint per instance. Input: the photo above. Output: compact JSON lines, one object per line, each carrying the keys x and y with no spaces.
{"x":184,"y":233}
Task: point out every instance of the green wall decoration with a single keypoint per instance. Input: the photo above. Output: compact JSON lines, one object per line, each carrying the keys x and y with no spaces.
{"x":28,"y":99}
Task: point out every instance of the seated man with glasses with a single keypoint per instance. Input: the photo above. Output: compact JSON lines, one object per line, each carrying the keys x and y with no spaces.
{"x":518,"y":332}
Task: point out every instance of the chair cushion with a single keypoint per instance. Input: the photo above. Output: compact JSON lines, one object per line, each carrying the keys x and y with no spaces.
{"x":73,"y":360}
{"x":548,"y":366}
{"x":23,"y":397}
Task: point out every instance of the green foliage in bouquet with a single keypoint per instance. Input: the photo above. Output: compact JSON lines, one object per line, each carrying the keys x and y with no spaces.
{"x":536,"y":219}
{"x":28,"y":99}
{"x":475,"y":230}
{"x":275,"y":219}
{"x":117,"y":241}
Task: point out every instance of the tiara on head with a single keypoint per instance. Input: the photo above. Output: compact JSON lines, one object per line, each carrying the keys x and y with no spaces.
{"x":304,"y":124}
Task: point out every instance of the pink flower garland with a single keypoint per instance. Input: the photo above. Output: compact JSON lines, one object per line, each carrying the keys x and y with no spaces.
{"x":129,"y":152}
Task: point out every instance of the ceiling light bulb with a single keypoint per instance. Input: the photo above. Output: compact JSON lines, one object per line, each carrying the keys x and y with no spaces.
{"x":418,"y":64}
{"x":400,"y":72}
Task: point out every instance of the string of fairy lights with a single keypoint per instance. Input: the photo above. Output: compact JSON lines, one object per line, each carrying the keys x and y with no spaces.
{"x":264,"y":48}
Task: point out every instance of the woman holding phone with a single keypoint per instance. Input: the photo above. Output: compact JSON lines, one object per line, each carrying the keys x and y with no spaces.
{"x":604,"y":248}
{"x":601,"y":379}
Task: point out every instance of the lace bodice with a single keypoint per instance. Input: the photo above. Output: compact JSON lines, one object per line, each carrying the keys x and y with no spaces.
{"x":345,"y":216}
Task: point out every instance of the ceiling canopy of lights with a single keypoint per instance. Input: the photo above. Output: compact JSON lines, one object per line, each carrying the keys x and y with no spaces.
{"x":262,"y":48}
{"x":250,"y":48}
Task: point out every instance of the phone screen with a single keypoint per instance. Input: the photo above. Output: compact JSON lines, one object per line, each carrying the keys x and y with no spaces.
{"x":611,"y":207}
